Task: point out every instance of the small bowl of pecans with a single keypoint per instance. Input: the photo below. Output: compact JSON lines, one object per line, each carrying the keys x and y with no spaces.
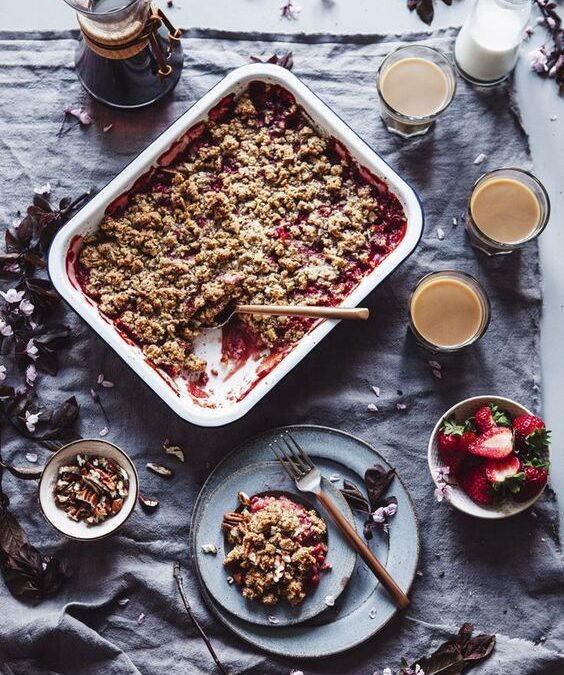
{"x":88,"y":489}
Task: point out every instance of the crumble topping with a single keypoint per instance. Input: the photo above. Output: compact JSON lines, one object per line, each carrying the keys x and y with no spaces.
{"x":259,"y":208}
{"x":279,"y":549}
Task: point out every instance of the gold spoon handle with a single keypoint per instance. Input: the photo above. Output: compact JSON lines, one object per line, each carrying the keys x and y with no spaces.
{"x":361,"y":313}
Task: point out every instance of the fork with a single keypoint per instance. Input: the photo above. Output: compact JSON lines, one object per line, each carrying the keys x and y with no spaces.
{"x":307,"y":477}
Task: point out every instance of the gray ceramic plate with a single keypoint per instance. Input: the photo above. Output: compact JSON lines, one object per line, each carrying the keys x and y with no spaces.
{"x":255,"y":478}
{"x":364,"y":607}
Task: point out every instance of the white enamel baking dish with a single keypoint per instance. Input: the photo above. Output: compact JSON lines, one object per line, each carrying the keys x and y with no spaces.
{"x":231,"y":399}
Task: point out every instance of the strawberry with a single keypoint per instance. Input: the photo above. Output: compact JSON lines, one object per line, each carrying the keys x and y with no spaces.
{"x":496,"y":443}
{"x":490,"y":416}
{"x":466,"y":440}
{"x":476,"y":485}
{"x":505,"y":475}
{"x":530,"y":433}
{"x":536,"y":475}
{"x":527,"y":424}
{"x":453,"y":441}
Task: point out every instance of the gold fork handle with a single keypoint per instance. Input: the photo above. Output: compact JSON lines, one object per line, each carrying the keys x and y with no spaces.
{"x":361,"y":313}
{"x":382,"y":574}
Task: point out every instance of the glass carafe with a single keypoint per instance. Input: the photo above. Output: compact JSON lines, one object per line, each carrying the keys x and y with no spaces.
{"x":127,"y":56}
{"x":487,"y":46}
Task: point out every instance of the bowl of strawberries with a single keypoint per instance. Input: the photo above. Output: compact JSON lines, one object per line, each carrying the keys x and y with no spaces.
{"x":489,"y":457}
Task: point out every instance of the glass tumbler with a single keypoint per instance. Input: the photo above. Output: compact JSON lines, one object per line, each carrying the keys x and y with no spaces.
{"x":500,"y":239}
{"x":448,"y":311}
{"x":394,"y":77}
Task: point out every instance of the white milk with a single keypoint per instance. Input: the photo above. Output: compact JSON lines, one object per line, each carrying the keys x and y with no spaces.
{"x":488,"y":43}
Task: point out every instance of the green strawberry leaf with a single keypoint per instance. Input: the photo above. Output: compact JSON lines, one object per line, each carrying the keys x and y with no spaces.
{"x":539,"y":439}
{"x":451,"y":428}
{"x":512,"y":484}
{"x":500,"y":417}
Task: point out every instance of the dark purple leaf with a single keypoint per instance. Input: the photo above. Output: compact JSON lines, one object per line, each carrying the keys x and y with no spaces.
{"x":67,"y":414}
{"x":424,"y":9}
{"x":23,"y":472}
{"x":377,"y":480}
{"x":281,"y":57}
{"x":354,"y":497}
{"x":479,"y":648}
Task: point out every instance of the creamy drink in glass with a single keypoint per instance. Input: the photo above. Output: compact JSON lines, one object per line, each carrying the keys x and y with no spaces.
{"x":507,"y":208}
{"x":448,"y":311}
{"x":415,"y":85}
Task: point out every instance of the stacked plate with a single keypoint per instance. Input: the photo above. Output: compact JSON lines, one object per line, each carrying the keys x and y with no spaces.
{"x":349,"y":605}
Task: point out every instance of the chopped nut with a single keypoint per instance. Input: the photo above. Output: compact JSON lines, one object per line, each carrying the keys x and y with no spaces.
{"x":159,"y":469}
{"x":148,"y":502}
{"x":91,"y":490}
{"x":209,"y":548}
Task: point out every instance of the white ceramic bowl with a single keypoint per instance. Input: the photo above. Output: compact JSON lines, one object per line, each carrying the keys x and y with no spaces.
{"x":58,"y":518}
{"x":458,"y":498}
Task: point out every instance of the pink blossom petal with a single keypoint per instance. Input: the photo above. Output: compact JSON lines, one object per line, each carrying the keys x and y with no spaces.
{"x":43,"y":190}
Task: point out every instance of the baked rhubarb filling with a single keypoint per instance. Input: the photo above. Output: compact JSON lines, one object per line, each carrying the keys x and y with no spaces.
{"x":253,"y":205}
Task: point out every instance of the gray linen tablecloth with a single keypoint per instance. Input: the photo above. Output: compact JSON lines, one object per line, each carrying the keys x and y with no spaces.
{"x":505,"y":577}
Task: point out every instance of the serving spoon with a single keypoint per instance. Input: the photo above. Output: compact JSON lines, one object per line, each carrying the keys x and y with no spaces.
{"x":310,"y":311}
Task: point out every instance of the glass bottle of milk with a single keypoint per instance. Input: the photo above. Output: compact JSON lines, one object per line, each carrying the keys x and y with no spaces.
{"x":486,"y":48}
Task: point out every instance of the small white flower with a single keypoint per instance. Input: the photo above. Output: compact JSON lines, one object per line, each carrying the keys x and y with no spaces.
{"x":31,"y":350}
{"x":442,"y":492}
{"x":81,"y":115}
{"x":31,"y":419}
{"x":26,"y":307}
{"x":538,"y":60}
{"x":382,"y":513}
{"x":5,"y":328}
{"x":480,"y":158}
{"x":441,"y":472}
{"x":12,"y":295}
{"x":2,"y":373}
{"x":529,"y":30}
{"x":30,"y":374}
{"x":43,"y":190}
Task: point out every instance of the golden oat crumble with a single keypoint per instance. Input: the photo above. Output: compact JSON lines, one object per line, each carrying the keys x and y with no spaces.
{"x":259,"y":209}
{"x":278,"y":550}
